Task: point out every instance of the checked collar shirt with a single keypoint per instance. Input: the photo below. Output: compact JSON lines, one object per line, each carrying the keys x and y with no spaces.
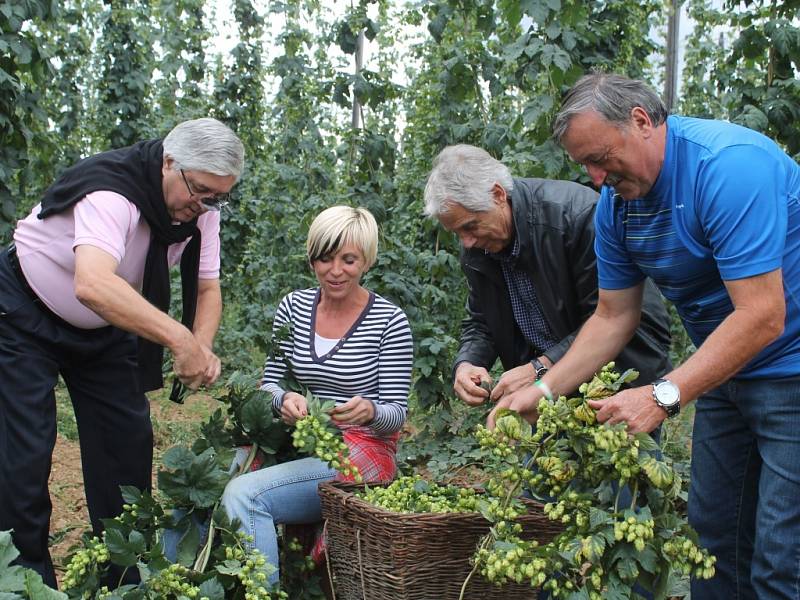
{"x":524,"y":302}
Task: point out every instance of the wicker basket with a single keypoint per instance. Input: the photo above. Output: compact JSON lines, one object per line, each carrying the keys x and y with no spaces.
{"x":376,"y":554}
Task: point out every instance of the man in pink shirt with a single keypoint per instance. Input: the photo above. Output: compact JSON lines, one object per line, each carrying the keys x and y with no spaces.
{"x":84,"y":293}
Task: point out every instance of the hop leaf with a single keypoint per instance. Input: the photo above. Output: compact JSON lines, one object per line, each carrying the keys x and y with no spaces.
{"x":658,"y":472}
{"x":512,"y":425}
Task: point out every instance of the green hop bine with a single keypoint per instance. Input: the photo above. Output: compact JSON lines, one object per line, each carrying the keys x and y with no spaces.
{"x":412,"y":494}
{"x":316,"y":436}
{"x":581,"y":467}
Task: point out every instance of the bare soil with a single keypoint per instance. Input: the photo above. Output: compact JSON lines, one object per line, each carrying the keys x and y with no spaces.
{"x":70,"y":517}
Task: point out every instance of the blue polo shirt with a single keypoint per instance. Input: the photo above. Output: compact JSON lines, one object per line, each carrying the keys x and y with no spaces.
{"x":725,"y":206}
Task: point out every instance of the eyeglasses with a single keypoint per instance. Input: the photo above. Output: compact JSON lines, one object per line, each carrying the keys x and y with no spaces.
{"x":213,"y":202}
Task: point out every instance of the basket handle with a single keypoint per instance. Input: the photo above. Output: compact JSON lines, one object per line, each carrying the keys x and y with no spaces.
{"x":361,"y":564}
{"x":328,"y":558}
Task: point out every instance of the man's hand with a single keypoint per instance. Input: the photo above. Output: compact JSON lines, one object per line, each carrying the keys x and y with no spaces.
{"x":512,"y":380}
{"x":190,"y":361}
{"x":213,"y":366}
{"x":525,"y":401}
{"x":356,"y":411}
{"x":634,"y":406}
{"x":293,"y":408}
{"x":467,"y":385}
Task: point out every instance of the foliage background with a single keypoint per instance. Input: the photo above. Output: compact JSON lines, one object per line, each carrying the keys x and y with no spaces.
{"x":80,"y":76}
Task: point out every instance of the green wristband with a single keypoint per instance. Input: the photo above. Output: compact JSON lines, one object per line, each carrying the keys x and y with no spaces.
{"x":548,"y":393}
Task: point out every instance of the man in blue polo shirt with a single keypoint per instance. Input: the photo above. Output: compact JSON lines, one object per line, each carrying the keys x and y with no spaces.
{"x":711,"y":212}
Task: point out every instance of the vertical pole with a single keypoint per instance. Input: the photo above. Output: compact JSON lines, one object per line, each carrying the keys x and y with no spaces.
{"x":673,"y":37}
{"x":359,"y":59}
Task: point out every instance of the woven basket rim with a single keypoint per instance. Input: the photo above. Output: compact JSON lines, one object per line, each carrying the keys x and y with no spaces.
{"x":344,"y":493}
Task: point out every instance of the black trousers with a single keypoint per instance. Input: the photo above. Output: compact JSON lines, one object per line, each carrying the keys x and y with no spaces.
{"x":116,"y":438}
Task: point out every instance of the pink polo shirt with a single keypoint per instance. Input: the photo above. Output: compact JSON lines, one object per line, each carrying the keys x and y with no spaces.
{"x":108,"y":221}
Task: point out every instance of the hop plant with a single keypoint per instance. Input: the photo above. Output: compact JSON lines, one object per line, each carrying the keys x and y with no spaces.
{"x":582,"y":466}
{"x":85,"y":563}
{"x":413,"y":494}
{"x":313,"y":435}
{"x":173,"y":582}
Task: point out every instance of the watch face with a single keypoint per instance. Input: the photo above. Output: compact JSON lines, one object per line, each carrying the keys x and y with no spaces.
{"x":667,"y":393}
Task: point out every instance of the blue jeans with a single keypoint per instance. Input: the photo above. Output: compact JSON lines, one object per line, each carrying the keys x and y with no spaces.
{"x":744,"y":497}
{"x":281,"y":494}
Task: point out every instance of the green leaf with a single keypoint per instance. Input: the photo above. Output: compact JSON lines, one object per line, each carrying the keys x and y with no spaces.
{"x":648,"y":559}
{"x":178,"y":457}
{"x":658,"y":472}
{"x":200,"y":483}
{"x":784,"y":37}
{"x":188,"y":544}
{"x":421,"y":486}
{"x":646,"y":442}
{"x":212,"y":589}
{"x":513,"y":425}
{"x":436,"y":26}
{"x":19,"y":579}
{"x":627,"y":569}
{"x":256,"y":416}
{"x":504,"y":546}
{"x":550,"y":157}
{"x":536,"y":108}
{"x":617,"y":590}
{"x":598,"y":518}
{"x":512,"y":12}
{"x":752,"y":117}
{"x":628,"y":376}
{"x":130,"y":494}
{"x":7,"y":550}
{"x":36,"y":589}
{"x":371,"y":29}
{"x":123,"y":551}
{"x":596,"y":547}
{"x":229,"y":567}
{"x":552,"y":54}
{"x":581,"y":594}
{"x":537,"y":9}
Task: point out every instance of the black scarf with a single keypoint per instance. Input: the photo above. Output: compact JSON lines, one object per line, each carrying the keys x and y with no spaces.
{"x":135,"y":172}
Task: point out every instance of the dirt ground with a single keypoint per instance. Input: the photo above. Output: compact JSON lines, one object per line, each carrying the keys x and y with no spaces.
{"x":172,"y":424}
{"x":70,"y":516}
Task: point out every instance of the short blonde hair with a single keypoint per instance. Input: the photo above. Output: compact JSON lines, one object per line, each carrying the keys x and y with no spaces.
{"x":338,"y":226}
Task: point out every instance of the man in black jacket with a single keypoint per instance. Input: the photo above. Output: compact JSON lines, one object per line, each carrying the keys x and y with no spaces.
{"x":528,"y":255}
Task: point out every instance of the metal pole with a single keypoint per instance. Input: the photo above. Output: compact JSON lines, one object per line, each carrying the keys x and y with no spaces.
{"x":359,"y":58}
{"x":673,"y":37}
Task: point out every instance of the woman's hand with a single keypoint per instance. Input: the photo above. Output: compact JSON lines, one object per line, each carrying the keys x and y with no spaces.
{"x":293,"y":408}
{"x":356,"y":411}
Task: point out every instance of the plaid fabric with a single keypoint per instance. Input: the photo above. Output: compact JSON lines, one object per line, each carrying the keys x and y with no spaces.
{"x":376,"y":461}
{"x":524,"y":302}
{"x":375,"y":458}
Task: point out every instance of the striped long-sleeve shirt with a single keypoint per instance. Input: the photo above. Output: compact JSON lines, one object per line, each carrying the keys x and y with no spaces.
{"x":372,"y":360}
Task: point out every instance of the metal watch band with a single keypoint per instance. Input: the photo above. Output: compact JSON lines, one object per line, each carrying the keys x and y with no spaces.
{"x":671,"y":409}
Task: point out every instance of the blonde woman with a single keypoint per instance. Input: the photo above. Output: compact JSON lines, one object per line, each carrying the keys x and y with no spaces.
{"x":347,"y":344}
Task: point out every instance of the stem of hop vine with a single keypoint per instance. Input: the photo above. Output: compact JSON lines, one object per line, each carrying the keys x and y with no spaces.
{"x":205,"y":553}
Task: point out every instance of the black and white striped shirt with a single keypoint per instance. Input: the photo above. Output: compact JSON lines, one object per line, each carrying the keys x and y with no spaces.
{"x":373,"y":359}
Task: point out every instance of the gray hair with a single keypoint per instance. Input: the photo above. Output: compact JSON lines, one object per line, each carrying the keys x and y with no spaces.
{"x":613,"y":97}
{"x":465,"y":175}
{"x":205,"y":145}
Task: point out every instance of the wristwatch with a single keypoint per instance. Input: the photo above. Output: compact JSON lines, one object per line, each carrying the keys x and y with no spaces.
{"x":539,"y":368}
{"x":667,"y":396}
